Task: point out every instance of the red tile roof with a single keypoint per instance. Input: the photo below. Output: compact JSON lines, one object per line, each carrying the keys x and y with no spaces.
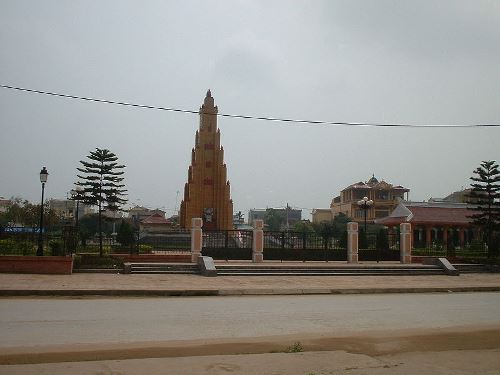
{"x":432,"y":215}
{"x":155,"y":219}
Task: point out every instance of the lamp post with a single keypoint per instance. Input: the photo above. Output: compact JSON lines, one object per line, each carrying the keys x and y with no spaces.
{"x":43,"y":179}
{"x":365,"y":205}
{"x":76,"y":195}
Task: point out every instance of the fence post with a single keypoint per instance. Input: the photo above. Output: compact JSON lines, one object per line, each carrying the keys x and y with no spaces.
{"x":196,"y":239}
{"x":258,"y":242}
{"x":405,"y":243}
{"x":352,"y":242}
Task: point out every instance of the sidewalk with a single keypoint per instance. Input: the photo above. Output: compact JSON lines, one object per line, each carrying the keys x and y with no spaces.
{"x":195,"y":285}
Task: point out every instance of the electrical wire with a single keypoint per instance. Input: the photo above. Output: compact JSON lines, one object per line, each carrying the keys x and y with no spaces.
{"x":247,"y":117}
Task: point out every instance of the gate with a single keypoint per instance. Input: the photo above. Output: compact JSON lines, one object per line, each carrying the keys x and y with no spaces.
{"x":382,"y":246}
{"x":228,"y":244}
{"x":302,"y":246}
{"x":165,"y":243}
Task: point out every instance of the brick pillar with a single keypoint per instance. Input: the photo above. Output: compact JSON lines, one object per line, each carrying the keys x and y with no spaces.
{"x":352,"y":242}
{"x":405,"y":243}
{"x":258,"y":241}
{"x":196,"y":239}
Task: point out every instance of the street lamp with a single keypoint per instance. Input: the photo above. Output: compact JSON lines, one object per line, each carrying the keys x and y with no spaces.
{"x":365,"y":205}
{"x":43,"y":179}
{"x":76,"y":196}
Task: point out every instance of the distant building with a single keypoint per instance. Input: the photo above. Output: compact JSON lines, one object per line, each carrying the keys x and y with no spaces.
{"x":321,"y":214}
{"x":461,"y":196}
{"x":139,"y":213}
{"x":4,"y":204}
{"x":385,"y":197}
{"x":65,"y":209}
{"x":289,"y":216}
{"x":256,"y":214}
{"x":155,"y":224}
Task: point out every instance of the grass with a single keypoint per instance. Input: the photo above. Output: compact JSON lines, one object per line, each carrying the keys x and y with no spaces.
{"x":295,"y":348}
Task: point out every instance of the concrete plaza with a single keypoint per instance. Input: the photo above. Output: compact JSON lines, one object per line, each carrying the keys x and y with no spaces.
{"x":168,"y":284}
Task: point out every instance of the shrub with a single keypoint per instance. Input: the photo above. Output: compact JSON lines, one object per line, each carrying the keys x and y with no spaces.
{"x":295,"y":348}
{"x":96,"y":261}
{"x":145,"y":249}
{"x":56,"y":248}
{"x":7,"y":246}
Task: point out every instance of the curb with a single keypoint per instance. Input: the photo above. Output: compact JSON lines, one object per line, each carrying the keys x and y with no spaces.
{"x":233,"y":292}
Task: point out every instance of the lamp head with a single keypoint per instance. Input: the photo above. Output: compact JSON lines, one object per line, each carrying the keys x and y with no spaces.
{"x":44,"y":175}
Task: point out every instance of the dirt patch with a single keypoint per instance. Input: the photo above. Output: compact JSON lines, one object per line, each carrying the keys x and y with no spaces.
{"x":367,"y":343}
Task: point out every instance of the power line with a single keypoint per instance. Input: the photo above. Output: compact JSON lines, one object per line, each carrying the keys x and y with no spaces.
{"x":261,"y":118}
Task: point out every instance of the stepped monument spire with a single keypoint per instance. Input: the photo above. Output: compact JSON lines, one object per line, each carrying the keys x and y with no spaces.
{"x":207,"y":191}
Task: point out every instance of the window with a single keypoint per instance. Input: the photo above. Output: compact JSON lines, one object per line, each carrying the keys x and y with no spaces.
{"x":381,"y":213}
{"x":382,"y":195}
{"x":208,"y":164}
{"x":359,"y":194}
{"x":359,"y":213}
{"x":209,"y":146}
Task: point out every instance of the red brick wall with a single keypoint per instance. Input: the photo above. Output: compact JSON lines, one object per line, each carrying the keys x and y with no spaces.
{"x":32,"y":264}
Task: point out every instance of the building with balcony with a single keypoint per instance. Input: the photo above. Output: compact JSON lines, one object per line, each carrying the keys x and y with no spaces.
{"x":384,"y":195}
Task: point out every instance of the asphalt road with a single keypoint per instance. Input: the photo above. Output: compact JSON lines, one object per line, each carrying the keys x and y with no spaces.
{"x":27,"y":322}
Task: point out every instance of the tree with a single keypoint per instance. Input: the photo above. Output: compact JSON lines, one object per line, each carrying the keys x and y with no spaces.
{"x":125,"y":235}
{"x":304,"y":226}
{"x":23,"y":212}
{"x":101,"y":184}
{"x":88,"y":227}
{"x":273,"y":219}
{"x":485,"y":193}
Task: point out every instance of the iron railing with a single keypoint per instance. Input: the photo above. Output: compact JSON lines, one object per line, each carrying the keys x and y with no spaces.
{"x":175,"y":241}
{"x":381,"y":246}
{"x":303,"y":246}
{"x":228,"y":244}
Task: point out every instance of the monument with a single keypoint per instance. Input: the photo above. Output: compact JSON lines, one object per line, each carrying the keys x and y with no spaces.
{"x":207,"y":191}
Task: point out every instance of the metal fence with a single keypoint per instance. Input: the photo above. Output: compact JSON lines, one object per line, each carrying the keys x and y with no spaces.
{"x":27,"y":244}
{"x":381,"y":246}
{"x":68,"y":242}
{"x":228,"y":244}
{"x":473,"y":250}
{"x":176,"y":241}
{"x":303,"y":246}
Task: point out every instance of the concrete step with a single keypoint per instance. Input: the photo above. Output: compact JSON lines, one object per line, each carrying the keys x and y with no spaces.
{"x":167,"y":268}
{"x":471,"y":268}
{"x":242,"y":270}
{"x":170,"y":272}
{"x":325,"y":269}
{"x":339,"y":273}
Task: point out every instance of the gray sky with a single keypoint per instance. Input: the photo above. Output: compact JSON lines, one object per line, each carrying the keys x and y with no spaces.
{"x":420,"y":62}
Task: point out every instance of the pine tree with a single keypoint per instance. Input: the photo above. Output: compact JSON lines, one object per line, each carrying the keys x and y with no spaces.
{"x":485,"y":193}
{"x":102,"y":184}
{"x":125,"y":234}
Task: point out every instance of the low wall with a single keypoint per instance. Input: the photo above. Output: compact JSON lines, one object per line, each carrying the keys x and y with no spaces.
{"x":155,"y":258}
{"x":61,"y":265}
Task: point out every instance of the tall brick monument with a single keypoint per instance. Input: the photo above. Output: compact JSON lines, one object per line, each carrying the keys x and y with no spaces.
{"x":207,"y":192}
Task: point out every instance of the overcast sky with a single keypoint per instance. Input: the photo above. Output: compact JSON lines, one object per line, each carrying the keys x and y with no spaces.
{"x":418,"y":62}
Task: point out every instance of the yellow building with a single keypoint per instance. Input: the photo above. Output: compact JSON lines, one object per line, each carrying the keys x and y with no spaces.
{"x":207,"y":192}
{"x":321,"y":214}
{"x":385,"y":198}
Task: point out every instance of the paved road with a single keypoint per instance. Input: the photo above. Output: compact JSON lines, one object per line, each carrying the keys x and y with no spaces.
{"x":66,"y":321}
